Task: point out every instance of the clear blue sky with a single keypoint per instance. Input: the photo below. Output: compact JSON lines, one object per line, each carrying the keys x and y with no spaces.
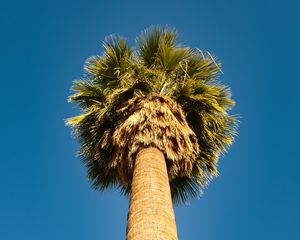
{"x":43,"y":46}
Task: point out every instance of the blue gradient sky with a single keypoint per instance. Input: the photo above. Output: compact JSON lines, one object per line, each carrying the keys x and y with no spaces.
{"x":43,"y":46}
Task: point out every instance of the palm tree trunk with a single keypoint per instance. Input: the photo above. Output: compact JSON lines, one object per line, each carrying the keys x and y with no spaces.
{"x":150,"y":214}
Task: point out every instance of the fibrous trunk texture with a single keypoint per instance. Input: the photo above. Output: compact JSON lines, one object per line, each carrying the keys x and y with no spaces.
{"x":151,"y":215}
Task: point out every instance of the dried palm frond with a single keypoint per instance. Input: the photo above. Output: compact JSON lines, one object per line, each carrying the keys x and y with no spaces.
{"x":154,"y":120}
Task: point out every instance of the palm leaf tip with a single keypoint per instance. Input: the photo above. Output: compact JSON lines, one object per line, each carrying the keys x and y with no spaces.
{"x":162,"y":95}
{"x":74,"y":120}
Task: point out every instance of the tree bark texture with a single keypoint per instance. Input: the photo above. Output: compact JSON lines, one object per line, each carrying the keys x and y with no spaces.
{"x":151,"y":215}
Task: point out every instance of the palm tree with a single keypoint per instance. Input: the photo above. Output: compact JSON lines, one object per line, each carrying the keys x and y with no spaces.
{"x":153,"y":123}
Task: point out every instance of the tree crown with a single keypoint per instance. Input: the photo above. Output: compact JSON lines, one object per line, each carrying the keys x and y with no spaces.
{"x":159,"y":74}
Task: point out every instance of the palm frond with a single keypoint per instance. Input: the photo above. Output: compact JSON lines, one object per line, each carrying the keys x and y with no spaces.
{"x":202,"y":66}
{"x":107,"y":68}
{"x":168,"y":57}
{"x":86,"y":94}
{"x":157,"y":48}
